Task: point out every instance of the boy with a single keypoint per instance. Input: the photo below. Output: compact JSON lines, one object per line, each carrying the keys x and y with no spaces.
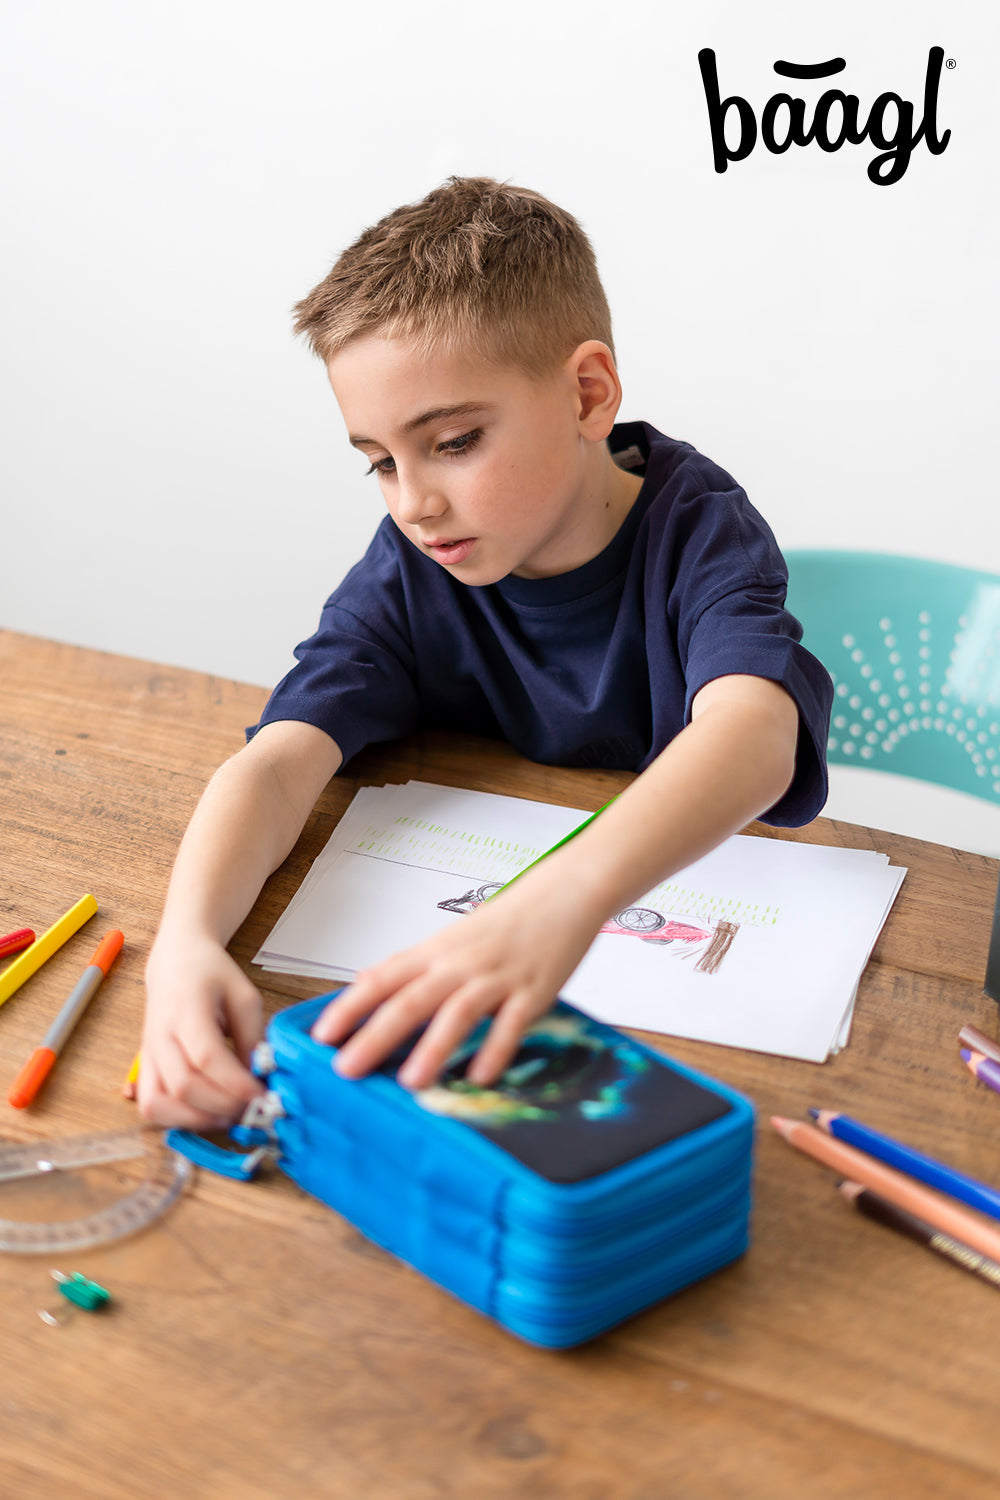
{"x":598,"y":595}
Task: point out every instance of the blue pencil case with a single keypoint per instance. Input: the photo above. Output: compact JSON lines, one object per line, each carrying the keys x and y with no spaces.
{"x":594,"y":1179}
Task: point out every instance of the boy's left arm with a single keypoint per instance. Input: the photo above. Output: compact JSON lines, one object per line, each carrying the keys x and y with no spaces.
{"x":510,"y":957}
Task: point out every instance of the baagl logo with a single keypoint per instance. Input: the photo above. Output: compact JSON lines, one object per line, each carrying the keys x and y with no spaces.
{"x":836,"y":118}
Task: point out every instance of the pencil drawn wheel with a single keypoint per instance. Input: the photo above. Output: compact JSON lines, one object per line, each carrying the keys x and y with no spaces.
{"x":471,"y":899}
{"x":640,"y":919}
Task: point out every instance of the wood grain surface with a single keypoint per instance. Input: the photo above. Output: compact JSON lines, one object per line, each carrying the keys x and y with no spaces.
{"x":257,"y":1347}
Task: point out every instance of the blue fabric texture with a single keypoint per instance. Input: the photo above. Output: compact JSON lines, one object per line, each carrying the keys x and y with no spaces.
{"x":596,"y":667}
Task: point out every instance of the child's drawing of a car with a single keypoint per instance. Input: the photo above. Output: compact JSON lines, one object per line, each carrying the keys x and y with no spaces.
{"x":634,"y":921}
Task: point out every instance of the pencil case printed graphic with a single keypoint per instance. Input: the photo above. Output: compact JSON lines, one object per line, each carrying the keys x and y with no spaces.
{"x":595,"y":1178}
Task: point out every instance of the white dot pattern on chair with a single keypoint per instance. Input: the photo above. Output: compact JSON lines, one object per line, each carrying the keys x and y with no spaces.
{"x":915,"y":676}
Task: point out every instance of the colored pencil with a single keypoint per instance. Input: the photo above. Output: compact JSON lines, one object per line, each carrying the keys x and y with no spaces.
{"x":41,"y":1062}
{"x":978,"y":1041}
{"x":131,"y":1085}
{"x":884,"y":1212}
{"x":945,"y":1215}
{"x":557,"y":845}
{"x":13,"y":942}
{"x":924,"y":1168}
{"x":43,"y":948}
{"x":984,"y":1068}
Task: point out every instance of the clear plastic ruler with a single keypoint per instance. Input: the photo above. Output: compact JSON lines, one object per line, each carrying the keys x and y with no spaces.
{"x":60,"y":1202}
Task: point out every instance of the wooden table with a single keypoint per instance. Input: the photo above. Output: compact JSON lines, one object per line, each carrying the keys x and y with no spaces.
{"x":258,"y":1348}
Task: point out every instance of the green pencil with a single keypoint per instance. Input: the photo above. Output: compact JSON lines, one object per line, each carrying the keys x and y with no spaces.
{"x":557,"y":845}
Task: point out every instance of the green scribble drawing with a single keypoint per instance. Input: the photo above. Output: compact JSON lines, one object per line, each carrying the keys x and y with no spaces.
{"x":673,"y":898}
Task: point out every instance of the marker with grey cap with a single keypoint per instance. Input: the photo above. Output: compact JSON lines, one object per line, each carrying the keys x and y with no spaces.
{"x":39,"y":1064}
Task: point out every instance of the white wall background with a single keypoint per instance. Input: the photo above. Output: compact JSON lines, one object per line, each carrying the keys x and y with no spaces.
{"x":176,"y":482}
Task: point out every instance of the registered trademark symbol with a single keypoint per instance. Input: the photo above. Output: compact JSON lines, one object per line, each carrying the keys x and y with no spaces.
{"x":950,"y":63}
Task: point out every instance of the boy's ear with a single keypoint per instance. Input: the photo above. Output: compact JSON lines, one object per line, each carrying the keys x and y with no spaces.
{"x":598,"y":391}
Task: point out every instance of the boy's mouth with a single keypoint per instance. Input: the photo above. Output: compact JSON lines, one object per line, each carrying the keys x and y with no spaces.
{"x":451,"y":552}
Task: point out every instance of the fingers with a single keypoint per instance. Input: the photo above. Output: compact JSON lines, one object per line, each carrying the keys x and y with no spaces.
{"x":452,"y":1023}
{"x":156,"y":1105}
{"x":501,"y":1043}
{"x":359,"y":999}
{"x":394,"y":1000}
{"x":453,"y":1011}
{"x":396,"y":1019}
{"x":202,"y":1089}
{"x":245,"y":1023}
{"x":190,"y":1076}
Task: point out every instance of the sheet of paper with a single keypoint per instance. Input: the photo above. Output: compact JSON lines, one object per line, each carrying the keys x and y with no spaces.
{"x":759,"y":945}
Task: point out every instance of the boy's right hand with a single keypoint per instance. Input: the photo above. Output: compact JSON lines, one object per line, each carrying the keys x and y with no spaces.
{"x":197,"y":997}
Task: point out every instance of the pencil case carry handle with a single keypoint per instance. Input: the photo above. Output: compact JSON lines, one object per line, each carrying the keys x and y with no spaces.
{"x":240,"y":1165}
{"x":255,"y":1129}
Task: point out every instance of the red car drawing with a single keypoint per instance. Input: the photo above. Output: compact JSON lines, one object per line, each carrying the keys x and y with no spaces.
{"x":634,"y":921}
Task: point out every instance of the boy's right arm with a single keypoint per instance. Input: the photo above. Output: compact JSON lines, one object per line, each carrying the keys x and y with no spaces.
{"x":246,"y":823}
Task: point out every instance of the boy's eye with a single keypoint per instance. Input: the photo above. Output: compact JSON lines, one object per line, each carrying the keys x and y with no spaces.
{"x":385,"y":465}
{"x":463,"y":444}
{"x":452,"y":447}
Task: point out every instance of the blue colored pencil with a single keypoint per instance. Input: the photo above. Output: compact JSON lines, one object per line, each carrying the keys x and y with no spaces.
{"x":924,"y":1168}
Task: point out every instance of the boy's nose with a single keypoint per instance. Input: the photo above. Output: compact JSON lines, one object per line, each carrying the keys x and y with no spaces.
{"x":417,"y":502}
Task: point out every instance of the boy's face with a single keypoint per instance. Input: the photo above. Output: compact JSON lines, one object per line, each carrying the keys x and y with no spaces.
{"x":486,"y":470}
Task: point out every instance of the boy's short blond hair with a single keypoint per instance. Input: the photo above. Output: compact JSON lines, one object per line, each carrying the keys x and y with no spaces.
{"x":478,"y":265}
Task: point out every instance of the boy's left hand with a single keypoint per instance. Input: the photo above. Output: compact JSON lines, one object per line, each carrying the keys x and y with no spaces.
{"x":508,"y":958}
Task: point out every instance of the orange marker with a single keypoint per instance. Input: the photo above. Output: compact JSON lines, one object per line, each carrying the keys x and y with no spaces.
{"x":39,"y":1064}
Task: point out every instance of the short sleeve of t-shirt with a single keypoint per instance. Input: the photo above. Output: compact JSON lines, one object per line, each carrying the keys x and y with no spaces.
{"x":355,"y":676}
{"x":726,"y":611}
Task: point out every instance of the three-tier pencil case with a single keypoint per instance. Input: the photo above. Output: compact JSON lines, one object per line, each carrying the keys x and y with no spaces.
{"x":595,"y":1178}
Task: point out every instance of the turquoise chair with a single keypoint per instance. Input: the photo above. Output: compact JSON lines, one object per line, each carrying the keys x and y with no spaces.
{"x":913,"y":648}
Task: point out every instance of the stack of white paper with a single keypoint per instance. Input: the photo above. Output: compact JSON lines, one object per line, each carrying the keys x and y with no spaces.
{"x":760,"y":944}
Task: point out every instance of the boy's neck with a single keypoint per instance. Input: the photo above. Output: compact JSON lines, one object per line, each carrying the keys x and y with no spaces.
{"x":605,"y":500}
{"x":617,"y":492}
{"x":623,"y":491}
{"x":627,"y":485}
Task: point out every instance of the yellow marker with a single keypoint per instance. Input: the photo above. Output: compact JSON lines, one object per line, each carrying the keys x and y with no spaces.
{"x":43,"y":948}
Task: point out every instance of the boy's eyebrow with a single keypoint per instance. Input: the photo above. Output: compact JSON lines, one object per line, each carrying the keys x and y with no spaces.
{"x":434,"y":414}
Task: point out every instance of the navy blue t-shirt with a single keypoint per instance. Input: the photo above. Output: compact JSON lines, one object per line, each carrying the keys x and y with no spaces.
{"x":596,"y":667}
